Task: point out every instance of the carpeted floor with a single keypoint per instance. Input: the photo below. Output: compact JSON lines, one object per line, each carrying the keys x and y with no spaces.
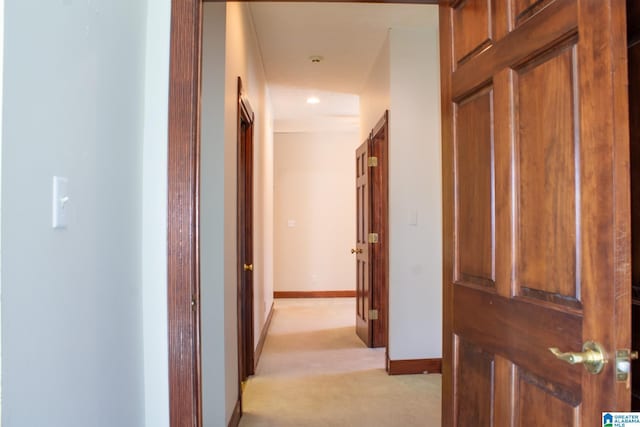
{"x":314,"y":371}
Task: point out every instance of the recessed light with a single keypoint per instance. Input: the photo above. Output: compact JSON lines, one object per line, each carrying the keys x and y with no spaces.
{"x":313,"y":100}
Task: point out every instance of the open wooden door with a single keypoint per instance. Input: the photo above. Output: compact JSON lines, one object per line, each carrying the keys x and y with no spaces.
{"x":363,"y":291}
{"x":372,"y":277}
{"x":379,"y":218}
{"x":633,"y":35}
{"x":536,"y":209}
{"x":245,"y":239}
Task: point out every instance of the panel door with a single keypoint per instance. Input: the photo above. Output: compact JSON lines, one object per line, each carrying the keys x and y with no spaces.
{"x":536,"y":209}
{"x":246,"y":366}
{"x":379,"y":251}
{"x":363,"y":290}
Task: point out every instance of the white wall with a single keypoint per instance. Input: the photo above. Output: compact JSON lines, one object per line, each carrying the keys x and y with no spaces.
{"x":405,"y":79}
{"x":230,"y":50}
{"x":263,"y":242}
{"x":375,"y":96}
{"x":72,"y":306}
{"x":315,"y":211}
{"x":243,"y":59}
{"x":154,"y":212}
{"x":212,"y":251}
{"x":415,"y":267}
{"x":1,"y":103}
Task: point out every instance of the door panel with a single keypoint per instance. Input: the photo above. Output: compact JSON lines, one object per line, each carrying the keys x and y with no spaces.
{"x":536,"y":402}
{"x":363,"y":291}
{"x":472,"y":28}
{"x":475,"y":384}
{"x":475,"y":202}
{"x":536,"y":208}
{"x":547,"y":165}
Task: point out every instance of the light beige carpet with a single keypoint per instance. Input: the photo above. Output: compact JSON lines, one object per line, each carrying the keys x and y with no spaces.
{"x":314,"y":371}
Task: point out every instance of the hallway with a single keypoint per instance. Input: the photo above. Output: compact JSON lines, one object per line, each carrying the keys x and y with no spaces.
{"x":314,"y":371}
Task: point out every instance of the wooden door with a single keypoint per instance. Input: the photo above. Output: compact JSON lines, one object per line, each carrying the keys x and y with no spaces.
{"x":633,"y":35}
{"x":245,"y":239}
{"x":361,"y":251}
{"x":536,"y":209}
{"x":379,"y":212}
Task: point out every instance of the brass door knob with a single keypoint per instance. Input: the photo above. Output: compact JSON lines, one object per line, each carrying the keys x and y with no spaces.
{"x":356,"y":251}
{"x":593,"y":357}
{"x":248,"y":267}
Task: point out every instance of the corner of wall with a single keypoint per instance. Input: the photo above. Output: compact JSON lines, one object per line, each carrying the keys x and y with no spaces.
{"x":414,"y":159}
{"x":154,"y":215}
{"x":1,"y":103}
{"x":215,"y":345}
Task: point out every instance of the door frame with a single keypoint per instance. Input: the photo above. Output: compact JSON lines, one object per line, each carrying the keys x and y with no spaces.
{"x":183,"y":251}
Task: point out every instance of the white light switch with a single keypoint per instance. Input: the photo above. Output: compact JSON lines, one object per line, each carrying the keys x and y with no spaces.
{"x":291,"y":223}
{"x":413,"y":217}
{"x":60,"y":202}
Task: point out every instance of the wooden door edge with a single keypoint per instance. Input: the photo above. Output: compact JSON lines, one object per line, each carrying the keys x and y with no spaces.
{"x":448,"y":415}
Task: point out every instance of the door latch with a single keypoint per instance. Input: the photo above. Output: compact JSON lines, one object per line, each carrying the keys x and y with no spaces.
{"x":623,"y":364}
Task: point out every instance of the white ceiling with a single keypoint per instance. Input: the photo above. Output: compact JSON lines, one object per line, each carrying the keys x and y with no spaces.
{"x":347,"y":35}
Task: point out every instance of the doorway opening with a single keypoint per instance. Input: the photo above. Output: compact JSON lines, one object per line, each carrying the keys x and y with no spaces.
{"x":414,"y":270}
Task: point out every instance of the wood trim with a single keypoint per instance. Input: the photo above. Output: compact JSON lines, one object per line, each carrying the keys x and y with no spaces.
{"x":183,"y":263}
{"x":434,"y":2}
{"x":314,"y":294}
{"x":415,"y":366}
{"x":263,"y":337}
{"x":236,"y":415}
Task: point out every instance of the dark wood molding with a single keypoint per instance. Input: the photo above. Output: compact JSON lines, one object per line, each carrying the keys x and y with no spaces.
{"x":434,"y":2}
{"x":183,"y":268}
{"x":314,"y":294}
{"x":415,"y":366}
{"x":236,"y":415}
{"x":263,"y":337}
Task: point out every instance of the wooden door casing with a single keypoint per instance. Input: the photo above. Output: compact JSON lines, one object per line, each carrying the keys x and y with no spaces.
{"x":363,"y":291}
{"x":536,"y":208}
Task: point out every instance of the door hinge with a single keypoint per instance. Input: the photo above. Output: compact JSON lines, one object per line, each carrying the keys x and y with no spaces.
{"x":373,"y":314}
{"x":373,"y":238}
{"x":372,"y":162}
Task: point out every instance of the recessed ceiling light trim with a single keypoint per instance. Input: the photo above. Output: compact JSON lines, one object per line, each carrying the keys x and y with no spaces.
{"x":313,"y":100}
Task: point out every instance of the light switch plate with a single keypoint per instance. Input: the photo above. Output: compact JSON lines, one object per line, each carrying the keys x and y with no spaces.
{"x":60,"y":202}
{"x":413,"y":217}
